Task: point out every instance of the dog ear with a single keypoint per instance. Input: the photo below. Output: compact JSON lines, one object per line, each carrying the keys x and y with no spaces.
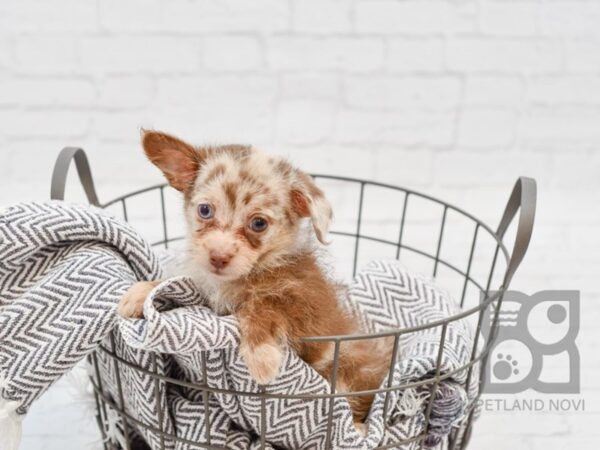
{"x":309,"y":201}
{"x":178,"y":160}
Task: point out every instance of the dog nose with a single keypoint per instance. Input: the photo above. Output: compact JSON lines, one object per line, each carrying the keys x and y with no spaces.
{"x":219,"y":260}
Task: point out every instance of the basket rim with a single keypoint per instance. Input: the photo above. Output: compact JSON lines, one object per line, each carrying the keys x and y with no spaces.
{"x":396,"y":332}
{"x":408,"y":191}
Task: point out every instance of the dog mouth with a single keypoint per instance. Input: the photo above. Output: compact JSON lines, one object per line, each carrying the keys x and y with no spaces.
{"x":224,"y":274}
{"x":217,"y":272}
{"x":221,"y":274}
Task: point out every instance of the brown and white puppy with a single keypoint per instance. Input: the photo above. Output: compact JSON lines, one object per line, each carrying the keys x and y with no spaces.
{"x":245,"y":212}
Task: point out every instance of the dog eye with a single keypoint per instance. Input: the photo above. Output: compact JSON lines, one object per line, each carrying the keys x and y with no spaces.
{"x":205,"y":211}
{"x":258,"y":224}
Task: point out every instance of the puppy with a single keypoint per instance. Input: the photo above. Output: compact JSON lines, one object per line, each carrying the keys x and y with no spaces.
{"x":250,"y":253}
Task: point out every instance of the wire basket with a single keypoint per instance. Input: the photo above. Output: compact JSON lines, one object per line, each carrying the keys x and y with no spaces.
{"x":478,"y":282}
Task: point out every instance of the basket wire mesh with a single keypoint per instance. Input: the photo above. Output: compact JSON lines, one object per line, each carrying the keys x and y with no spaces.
{"x":489,"y":288}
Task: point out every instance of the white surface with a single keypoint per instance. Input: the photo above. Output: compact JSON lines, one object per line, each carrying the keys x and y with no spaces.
{"x":453,"y":97}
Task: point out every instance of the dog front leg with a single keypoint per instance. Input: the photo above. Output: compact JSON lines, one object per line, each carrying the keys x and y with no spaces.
{"x":131,"y":304}
{"x":262,"y":347}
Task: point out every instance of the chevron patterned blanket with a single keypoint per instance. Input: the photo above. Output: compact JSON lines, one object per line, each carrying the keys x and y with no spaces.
{"x":63,"y":269}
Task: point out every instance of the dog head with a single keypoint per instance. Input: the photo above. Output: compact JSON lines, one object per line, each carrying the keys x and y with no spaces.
{"x":243,"y":208}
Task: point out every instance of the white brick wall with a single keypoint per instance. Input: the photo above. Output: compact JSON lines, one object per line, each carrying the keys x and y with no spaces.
{"x":453,"y":97}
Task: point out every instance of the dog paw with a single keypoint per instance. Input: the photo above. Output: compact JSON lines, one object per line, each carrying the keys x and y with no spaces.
{"x":131,"y":304}
{"x":263,"y":361}
{"x":362,"y":428}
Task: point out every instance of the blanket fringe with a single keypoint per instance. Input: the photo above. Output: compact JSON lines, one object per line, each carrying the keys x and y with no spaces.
{"x":10,"y":421}
{"x":410,"y":403}
{"x":113,"y":428}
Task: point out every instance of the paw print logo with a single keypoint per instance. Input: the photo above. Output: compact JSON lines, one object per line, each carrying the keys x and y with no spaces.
{"x":533,"y":331}
{"x":505,"y":367}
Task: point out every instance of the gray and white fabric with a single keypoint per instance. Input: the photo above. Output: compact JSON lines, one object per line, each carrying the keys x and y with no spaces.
{"x":63,"y":269}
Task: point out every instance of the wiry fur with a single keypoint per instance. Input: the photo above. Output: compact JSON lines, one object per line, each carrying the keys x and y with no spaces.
{"x":271,"y":281}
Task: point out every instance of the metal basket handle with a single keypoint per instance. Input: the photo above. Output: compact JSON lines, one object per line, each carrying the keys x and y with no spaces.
{"x":523,"y":197}
{"x":61,"y":169}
